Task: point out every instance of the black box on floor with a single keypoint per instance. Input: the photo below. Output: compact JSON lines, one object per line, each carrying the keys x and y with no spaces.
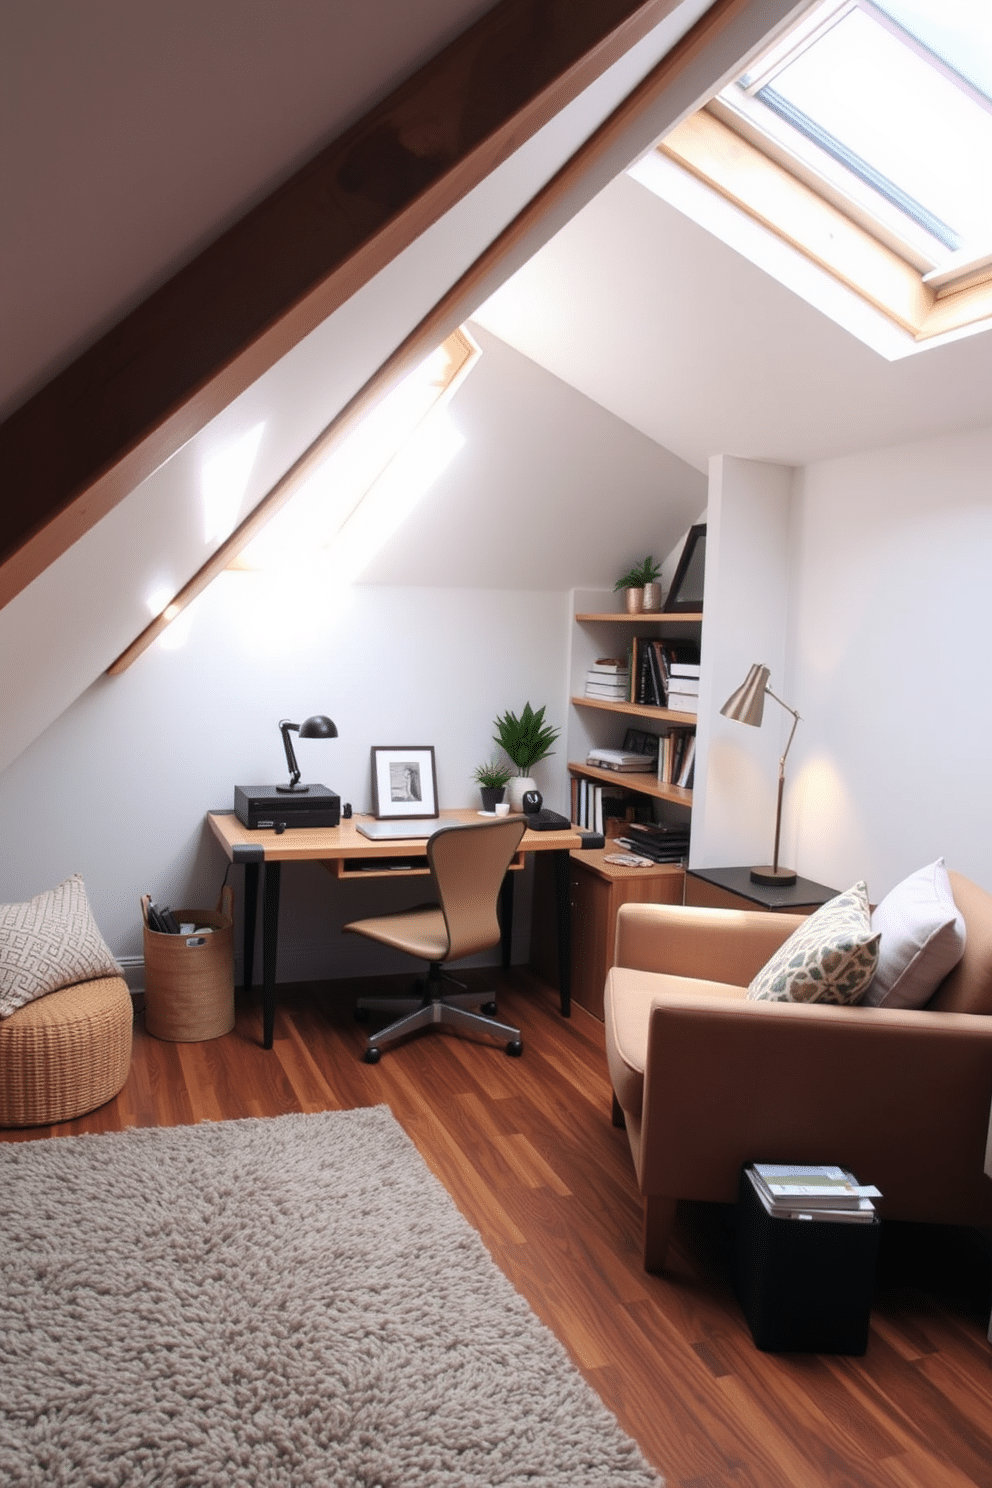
{"x":805,"y":1285}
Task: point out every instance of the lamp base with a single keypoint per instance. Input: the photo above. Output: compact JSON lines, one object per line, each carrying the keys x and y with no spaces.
{"x":775,"y":878}
{"x":296,"y":790}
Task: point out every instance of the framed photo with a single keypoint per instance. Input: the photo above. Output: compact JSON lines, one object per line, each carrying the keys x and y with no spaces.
{"x":686,"y":592}
{"x":404,"y":781}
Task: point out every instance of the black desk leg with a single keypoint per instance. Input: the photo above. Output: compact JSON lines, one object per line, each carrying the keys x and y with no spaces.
{"x":563,"y":896}
{"x":270,"y":945}
{"x":506,"y":918}
{"x":251,"y":915}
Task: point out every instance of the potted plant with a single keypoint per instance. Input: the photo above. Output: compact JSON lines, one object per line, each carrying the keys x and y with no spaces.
{"x":492,"y":778}
{"x":526,"y":739}
{"x":643,"y":592}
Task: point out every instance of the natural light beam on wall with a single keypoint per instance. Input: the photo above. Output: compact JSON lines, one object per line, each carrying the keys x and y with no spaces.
{"x":224,"y":478}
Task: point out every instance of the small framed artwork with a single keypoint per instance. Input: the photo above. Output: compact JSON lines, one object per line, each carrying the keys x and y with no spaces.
{"x":686,"y":592}
{"x":404,"y":781}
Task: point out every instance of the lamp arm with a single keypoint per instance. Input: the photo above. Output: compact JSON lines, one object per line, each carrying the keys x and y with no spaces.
{"x":294,"y":769}
{"x":792,"y":732}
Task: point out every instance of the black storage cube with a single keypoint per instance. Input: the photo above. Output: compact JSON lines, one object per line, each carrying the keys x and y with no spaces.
{"x":805,"y":1285}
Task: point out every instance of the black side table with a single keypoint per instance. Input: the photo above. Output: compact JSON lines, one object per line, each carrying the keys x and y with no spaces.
{"x":733,"y":888}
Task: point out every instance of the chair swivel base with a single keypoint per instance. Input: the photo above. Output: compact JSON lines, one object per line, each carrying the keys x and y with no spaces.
{"x":451,"y":1011}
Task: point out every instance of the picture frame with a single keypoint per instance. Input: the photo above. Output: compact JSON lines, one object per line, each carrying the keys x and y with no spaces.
{"x":686,"y":593}
{"x":404,"y":781}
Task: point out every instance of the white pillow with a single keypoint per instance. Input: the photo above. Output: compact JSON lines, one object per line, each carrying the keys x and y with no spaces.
{"x":48,"y":942}
{"x":830,"y":958}
{"x":923,"y":936}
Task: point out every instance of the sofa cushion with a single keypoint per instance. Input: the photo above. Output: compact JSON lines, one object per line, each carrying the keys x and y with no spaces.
{"x":830,"y":958}
{"x":923,"y":938}
{"x":629,"y":998}
{"x":968,"y":988}
{"x":49,"y":942}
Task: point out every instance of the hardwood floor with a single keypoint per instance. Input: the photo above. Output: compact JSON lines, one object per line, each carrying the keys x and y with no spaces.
{"x":526,"y":1148}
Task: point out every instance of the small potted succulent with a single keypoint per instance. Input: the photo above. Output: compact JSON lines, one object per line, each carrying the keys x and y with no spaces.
{"x":641,"y":587}
{"x":526,"y":740}
{"x":492,"y":778}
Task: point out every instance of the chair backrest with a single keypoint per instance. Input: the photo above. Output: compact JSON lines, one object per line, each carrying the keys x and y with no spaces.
{"x":469,"y":863}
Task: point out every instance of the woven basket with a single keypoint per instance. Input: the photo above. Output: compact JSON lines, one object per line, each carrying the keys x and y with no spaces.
{"x":189,"y":979}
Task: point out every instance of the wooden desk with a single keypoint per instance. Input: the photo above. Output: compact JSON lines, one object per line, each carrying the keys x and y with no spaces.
{"x":342,"y":849}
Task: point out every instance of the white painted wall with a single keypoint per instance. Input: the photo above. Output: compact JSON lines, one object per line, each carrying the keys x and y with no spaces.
{"x":863,"y":583}
{"x":468,"y":616}
{"x":891,"y":632}
{"x":745,"y":620}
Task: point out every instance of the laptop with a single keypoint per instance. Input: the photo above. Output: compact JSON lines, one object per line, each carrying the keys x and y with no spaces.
{"x":396,"y":831}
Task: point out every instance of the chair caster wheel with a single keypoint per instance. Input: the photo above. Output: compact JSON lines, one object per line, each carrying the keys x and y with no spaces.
{"x":515,"y":1048}
{"x":372,"y":1054}
{"x":489,"y":1008}
{"x":361,"y":1015}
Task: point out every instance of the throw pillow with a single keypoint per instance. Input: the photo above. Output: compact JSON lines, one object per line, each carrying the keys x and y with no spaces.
{"x":830,"y":958}
{"x":51,"y":941}
{"x":923,"y":936}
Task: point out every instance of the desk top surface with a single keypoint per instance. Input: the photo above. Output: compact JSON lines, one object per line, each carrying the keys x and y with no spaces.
{"x":345,"y":841}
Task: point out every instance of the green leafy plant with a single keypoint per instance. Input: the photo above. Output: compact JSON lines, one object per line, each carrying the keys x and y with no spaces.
{"x":647,"y":572}
{"x":527,"y":738}
{"x":492,"y":775}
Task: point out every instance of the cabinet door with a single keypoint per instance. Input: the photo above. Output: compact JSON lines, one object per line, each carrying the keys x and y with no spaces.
{"x":596,"y":900}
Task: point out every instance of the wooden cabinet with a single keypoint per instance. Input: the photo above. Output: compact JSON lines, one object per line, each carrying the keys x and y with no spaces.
{"x":598,"y":889}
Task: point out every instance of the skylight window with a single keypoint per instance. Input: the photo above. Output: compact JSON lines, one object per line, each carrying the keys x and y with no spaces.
{"x":879,"y":112}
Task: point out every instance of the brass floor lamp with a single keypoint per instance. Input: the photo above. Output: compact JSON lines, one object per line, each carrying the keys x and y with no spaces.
{"x":747,"y":705}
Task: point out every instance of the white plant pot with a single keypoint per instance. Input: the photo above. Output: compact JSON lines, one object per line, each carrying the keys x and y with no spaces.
{"x":515,"y":791}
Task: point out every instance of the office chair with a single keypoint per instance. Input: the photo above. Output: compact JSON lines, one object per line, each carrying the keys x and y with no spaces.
{"x":468,"y":864}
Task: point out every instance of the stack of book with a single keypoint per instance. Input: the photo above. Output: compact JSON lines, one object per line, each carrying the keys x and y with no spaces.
{"x":593,"y":804}
{"x":609,"y":679}
{"x":624,"y":761}
{"x":662,"y":844}
{"x":651,"y":663}
{"x":797,"y":1191}
{"x":683,"y":686}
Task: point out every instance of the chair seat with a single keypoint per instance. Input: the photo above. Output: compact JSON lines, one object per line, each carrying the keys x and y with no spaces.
{"x":419,"y":932}
{"x":66,"y":1053}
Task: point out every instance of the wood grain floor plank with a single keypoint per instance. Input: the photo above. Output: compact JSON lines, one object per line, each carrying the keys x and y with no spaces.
{"x":527,"y":1151}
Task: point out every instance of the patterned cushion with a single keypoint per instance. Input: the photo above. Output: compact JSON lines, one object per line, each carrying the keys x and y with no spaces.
{"x":830,"y":958}
{"x":923,"y":938}
{"x":49,"y":942}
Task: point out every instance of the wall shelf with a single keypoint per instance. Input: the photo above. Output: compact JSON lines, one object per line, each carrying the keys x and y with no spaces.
{"x":643,"y":783}
{"x":639,"y":710}
{"x":644,"y":617}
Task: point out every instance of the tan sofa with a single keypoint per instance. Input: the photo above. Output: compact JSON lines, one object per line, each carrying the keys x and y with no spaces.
{"x":705,"y":1081}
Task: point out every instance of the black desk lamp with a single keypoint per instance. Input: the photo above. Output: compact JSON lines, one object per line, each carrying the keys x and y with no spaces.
{"x":747,"y":705}
{"x":317,"y":727}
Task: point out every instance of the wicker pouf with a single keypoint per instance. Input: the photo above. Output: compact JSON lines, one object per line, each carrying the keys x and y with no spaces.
{"x":65,"y":1054}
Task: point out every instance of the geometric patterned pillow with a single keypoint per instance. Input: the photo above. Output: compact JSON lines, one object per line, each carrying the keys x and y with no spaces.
{"x":50,"y":941}
{"x":831,"y":957}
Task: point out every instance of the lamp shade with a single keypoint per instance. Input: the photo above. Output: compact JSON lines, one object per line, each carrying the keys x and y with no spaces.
{"x":318,"y":727}
{"x":747,"y":704}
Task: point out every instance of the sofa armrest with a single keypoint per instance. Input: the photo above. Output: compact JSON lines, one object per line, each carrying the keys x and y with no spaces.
{"x":713,"y":945}
{"x":901,"y":1097}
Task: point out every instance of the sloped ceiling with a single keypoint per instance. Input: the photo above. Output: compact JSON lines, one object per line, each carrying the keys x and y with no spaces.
{"x":660,"y":322}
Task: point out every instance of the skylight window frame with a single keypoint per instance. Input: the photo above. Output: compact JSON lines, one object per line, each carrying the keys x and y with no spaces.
{"x":820,"y":208}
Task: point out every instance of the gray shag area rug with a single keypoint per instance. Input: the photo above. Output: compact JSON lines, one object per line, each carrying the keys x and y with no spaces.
{"x":293,"y":1300}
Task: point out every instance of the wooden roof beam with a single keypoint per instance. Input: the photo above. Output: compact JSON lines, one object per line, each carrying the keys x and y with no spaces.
{"x":75,"y":449}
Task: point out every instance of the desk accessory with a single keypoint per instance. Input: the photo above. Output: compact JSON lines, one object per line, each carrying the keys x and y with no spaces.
{"x":404,"y":781}
{"x":747,"y":705}
{"x":277,"y":807}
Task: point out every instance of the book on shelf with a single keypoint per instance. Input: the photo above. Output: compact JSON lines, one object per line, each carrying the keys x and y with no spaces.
{"x":620,"y":759}
{"x":683,"y":702}
{"x":609,"y":666}
{"x":796,"y":1186}
{"x":660,"y":843}
{"x":689,"y":669}
{"x":610,"y":693}
{"x":676,"y":756}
